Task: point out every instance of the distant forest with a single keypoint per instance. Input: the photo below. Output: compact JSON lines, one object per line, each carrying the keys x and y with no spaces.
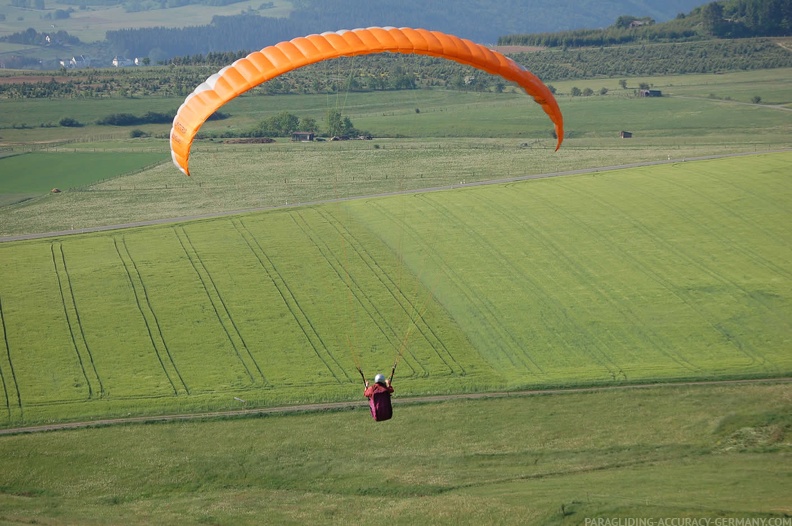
{"x":478,"y":20}
{"x":726,"y":19}
{"x":397,"y":72}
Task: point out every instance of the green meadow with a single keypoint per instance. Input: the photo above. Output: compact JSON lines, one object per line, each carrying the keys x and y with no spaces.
{"x":266,"y":278}
{"x":30,"y":175}
{"x":670,"y":453}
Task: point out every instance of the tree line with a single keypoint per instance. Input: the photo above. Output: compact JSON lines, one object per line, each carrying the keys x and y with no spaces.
{"x":747,"y":18}
{"x":224,"y":33}
{"x":392,"y":72}
{"x":724,"y":19}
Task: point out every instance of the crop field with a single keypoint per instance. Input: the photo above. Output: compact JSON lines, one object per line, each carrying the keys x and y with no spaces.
{"x":670,"y":272}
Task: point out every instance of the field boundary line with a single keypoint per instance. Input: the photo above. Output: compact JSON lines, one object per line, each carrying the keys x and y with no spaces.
{"x":150,"y":319}
{"x":345,"y":274}
{"x":289,"y":299}
{"x":320,"y":407}
{"x":414,"y":313}
{"x":182,"y":219}
{"x":7,"y":364}
{"x":220,"y":308}
{"x":442,"y":267}
{"x":72,"y":315}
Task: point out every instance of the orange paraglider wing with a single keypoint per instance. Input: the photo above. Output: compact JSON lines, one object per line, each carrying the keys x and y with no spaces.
{"x":261,"y":66}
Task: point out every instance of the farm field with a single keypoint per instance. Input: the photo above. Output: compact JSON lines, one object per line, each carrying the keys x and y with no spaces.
{"x":661,"y":273}
{"x":410,"y":150}
{"x":31,"y":175}
{"x":610,"y":278}
{"x":91,"y":24}
{"x":672,"y":453}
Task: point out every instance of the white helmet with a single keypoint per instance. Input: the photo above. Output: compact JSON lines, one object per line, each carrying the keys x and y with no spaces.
{"x":379,"y":379}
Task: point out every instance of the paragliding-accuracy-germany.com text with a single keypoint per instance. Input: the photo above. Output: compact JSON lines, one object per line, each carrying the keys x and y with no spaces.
{"x":688,"y":521}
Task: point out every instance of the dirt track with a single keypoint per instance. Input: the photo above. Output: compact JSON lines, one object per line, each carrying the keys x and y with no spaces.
{"x":335,"y":406}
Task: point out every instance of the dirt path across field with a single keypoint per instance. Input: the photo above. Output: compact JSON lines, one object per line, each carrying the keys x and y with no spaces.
{"x":335,"y":406}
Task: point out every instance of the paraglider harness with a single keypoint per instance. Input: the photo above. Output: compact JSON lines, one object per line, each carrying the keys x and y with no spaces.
{"x":379,"y":401}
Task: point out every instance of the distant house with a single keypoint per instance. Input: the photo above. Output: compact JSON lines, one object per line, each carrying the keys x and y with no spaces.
{"x":625,"y":135}
{"x":76,"y":62}
{"x":123,"y":62}
{"x":302,"y":136}
{"x":650,"y":93}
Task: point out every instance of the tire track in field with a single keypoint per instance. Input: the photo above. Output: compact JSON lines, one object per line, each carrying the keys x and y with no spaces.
{"x":344,"y":275}
{"x":654,"y":338}
{"x":482,"y":305}
{"x":359,"y":293}
{"x":752,"y":255}
{"x":72,"y":315}
{"x":220,"y":308}
{"x":599,"y":355}
{"x":302,"y":320}
{"x":441,"y":265}
{"x":153,"y":327}
{"x":6,"y":364}
{"x":413,"y":311}
{"x":472,"y":299}
{"x":595,"y":350}
{"x":758,"y":258}
{"x":781,"y":207}
{"x":670,"y":287}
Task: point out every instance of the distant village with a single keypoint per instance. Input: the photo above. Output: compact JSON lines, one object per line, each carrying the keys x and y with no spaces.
{"x":84,"y":62}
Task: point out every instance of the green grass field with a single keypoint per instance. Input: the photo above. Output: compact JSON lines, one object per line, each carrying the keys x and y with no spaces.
{"x":669,"y":272}
{"x":91,"y":24}
{"x":40,"y":172}
{"x":502,"y":135}
{"x":664,"y":273}
{"x":670,"y":453}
